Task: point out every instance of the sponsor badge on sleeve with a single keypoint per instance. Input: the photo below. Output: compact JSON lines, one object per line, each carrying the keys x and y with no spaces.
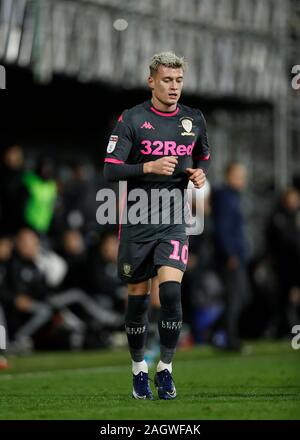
{"x":112,"y":143}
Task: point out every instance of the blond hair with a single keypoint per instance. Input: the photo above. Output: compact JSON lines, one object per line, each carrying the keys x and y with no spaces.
{"x":168,"y":59}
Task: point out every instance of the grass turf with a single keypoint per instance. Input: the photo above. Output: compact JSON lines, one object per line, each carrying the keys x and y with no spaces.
{"x":264,"y":383}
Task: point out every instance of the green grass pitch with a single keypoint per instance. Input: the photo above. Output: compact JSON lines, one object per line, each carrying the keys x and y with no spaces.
{"x":263,"y":383}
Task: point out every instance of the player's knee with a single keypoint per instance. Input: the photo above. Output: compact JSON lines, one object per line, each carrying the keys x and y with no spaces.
{"x":138,"y":288}
{"x":170,"y":297}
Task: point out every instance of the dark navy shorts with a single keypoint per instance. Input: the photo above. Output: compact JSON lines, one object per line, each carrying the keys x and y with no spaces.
{"x":139,"y":262}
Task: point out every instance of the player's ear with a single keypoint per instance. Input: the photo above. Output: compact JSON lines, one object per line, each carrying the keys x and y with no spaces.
{"x":150,"y":82}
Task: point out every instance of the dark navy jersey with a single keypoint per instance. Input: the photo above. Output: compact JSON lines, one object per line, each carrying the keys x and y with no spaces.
{"x":145,"y":134}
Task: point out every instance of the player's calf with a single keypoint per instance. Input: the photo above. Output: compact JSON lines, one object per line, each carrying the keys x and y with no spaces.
{"x":170,"y":322}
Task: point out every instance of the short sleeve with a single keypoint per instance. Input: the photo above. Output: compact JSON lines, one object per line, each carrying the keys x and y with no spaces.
{"x":201,"y":151}
{"x":120,"y":141}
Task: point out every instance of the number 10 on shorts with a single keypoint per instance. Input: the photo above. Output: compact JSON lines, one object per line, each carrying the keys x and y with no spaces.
{"x":2,"y":338}
{"x":175,"y":254}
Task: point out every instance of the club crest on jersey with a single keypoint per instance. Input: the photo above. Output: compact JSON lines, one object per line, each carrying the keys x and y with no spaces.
{"x":112,"y":143}
{"x":187,"y":125}
{"x":127,"y":268}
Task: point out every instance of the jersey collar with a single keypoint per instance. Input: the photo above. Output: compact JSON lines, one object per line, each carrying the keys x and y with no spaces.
{"x":160,"y":113}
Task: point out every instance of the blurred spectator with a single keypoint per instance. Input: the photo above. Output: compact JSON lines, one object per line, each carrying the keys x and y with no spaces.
{"x":202,"y":289}
{"x":5,"y":294}
{"x":36,"y":274}
{"x":83,"y":310}
{"x":102,"y":274}
{"x":73,"y":251}
{"x":76,"y":204}
{"x":42,"y":193}
{"x":12,"y":191}
{"x":231,"y":248}
{"x":28,"y":289}
{"x":76,"y":198}
{"x":283,"y":242}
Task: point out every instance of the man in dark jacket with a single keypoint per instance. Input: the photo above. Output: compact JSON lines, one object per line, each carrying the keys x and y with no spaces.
{"x":283,"y":242}
{"x":29,"y":289}
{"x":13,"y":194}
{"x":5,"y":294}
{"x":231,"y":248}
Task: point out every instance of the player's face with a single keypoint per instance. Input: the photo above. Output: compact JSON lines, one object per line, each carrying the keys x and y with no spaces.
{"x":166,"y":85}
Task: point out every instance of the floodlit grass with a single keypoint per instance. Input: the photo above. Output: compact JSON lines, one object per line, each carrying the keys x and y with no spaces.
{"x":262,"y":383}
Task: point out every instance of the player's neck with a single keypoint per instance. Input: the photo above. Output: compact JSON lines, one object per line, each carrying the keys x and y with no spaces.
{"x":163,"y":107}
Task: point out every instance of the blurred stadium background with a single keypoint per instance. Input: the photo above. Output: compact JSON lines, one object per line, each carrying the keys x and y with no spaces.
{"x":71,"y":68}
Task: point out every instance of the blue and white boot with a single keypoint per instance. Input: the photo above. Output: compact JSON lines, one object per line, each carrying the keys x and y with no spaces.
{"x":165,"y":385}
{"x":141,"y":386}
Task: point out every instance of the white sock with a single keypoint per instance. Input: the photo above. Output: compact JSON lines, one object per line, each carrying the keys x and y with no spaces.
{"x":137,"y":367}
{"x":162,"y":366}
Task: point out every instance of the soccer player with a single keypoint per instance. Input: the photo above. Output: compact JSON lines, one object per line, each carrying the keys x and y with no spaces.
{"x":159,"y":144}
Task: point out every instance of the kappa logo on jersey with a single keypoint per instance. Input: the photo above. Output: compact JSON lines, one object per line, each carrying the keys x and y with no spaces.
{"x":187,"y":125}
{"x":166,"y":148}
{"x":112,"y":143}
{"x":147,"y":125}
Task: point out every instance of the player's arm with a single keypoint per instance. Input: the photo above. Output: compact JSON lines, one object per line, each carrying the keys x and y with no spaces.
{"x":118,"y":149}
{"x":201,"y":157}
{"x":115,"y":171}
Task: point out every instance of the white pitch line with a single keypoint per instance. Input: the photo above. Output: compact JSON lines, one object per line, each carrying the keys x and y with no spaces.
{"x":32,"y":374}
{"x":101,"y":370}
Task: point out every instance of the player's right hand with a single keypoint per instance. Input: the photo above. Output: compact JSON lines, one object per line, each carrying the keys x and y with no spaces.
{"x":164,"y":166}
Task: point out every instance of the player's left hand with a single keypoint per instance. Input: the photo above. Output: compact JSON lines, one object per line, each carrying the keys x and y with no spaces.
{"x":197,"y":176}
